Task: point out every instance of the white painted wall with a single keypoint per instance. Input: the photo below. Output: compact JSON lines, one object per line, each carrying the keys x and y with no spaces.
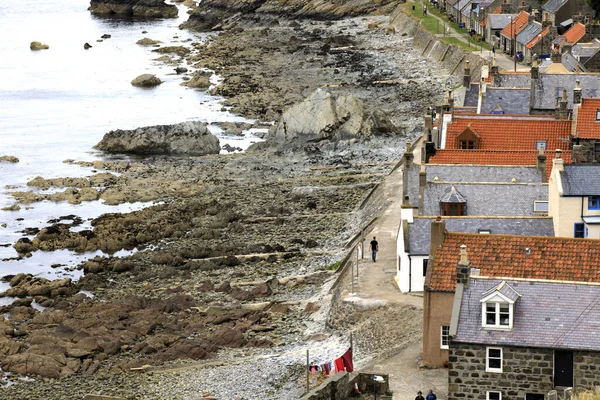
{"x":408,"y":267}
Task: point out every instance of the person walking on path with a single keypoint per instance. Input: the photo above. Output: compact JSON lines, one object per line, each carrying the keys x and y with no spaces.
{"x":374,"y":247}
{"x":431,"y":395}
{"x":419,"y":396}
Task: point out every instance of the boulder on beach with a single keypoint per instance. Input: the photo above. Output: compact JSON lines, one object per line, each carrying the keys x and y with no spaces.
{"x":200,"y":80}
{"x":146,"y":80}
{"x":324,"y":116}
{"x":147,"y":42}
{"x":191,"y":138}
{"x":10,"y":159}
{"x":179,"y":50}
{"x":137,"y":8}
{"x":38,"y":46}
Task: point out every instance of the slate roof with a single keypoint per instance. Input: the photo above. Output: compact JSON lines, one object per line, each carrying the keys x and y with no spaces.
{"x":554,"y":258}
{"x":493,"y":157}
{"x":529,"y":32}
{"x":452,"y":196}
{"x":553,"y":5}
{"x":518,"y":24}
{"x":419,"y":232}
{"x":505,"y":289}
{"x":547,"y":315}
{"x":586,"y":50}
{"x":460,"y":4}
{"x":512,"y":101}
{"x":481,"y":173}
{"x":538,"y":38}
{"x":567,"y":60}
{"x":489,"y":199}
{"x":587,"y":125}
{"x":499,"y":21}
{"x":581,"y":180}
{"x":502,"y":132}
{"x":471,"y":95}
{"x":510,"y":79}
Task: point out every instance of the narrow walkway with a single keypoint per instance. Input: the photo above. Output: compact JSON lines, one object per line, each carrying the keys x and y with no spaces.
{"x":376,"y":282}
{"x":504,"y":61}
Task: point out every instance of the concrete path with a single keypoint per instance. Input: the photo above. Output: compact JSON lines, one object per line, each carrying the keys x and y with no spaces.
{"x":376,"y":283}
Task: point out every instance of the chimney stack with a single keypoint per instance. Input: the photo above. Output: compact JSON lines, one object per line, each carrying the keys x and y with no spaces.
{"x":438,"y":232}
{"x":408,"y":162}
{"x":467,"y":75}
{"x":541,"y":164}
{"x":556,"y":58}
{"x":450,"y":100}
{"x":463,"y":269}
{"x":558,"y":163}
{"x":577,"y":93}
{"x":495,"y":74}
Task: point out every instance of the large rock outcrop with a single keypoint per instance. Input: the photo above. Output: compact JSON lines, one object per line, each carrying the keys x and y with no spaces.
{"x":210,"y":13}
{"x":191,"y":138}
{"x":323,"y":116}
{"x":137,"y":8}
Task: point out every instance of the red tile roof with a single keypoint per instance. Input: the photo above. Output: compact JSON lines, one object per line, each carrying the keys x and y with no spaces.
{"x":552,"y":258}
{"x":575,"y":33}
{"x":511,"y":132}
{"x":518,"y":24}
{"x":497,"y":10}
{"x":495,"y":157}
{"x":536,"y":39}
{"x":587,"y":125}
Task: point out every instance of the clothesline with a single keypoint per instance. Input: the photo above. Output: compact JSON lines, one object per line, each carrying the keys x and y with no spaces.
{"x":340,"y":364}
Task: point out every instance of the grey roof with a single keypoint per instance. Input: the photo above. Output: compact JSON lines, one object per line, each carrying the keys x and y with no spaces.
{"x":581,"y":180}
{"x":529,"y":32}
{"x":419,"y":232}
{"x":547,"y":315}
{"x":505,"y":289}
{"x":482,"y":173}
{"x":553,"y":5}
{"x":460,"y":4}
{"x":488,"y":199}
{"x":548,"y":86}
{"x":471,"y":95}
{"x":512,"y":101}
{"x":567,"y":60}
{"x":499,"y":21}
{"x":585,"y":50}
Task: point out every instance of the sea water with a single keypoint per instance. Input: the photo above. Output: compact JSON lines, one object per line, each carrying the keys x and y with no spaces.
{"x":56,"y":104}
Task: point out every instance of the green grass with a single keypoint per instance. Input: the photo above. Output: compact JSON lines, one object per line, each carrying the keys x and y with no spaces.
{"x":332,"y":267}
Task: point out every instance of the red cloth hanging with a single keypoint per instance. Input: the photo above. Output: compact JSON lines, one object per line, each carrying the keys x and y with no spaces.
{"x":347,"y":357}
{"x":339,"y":365}
{"x":312,"y":369}
{"x":325,"y":368}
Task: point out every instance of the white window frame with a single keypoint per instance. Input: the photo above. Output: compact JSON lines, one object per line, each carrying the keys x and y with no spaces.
{"x":487,"y":360}
{"x":497,"y":298}
{"x":442,"y":345}
{"x":487,"y":394}
{"x":536,"y":207}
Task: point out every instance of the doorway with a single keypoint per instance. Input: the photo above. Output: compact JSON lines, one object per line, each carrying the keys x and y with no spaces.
{"x":563,"y":368}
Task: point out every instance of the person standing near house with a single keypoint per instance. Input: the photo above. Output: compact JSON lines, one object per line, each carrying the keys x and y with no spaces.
{"x":431,"y":395}
{"x":374,"y":247}
{"x":419,"y":396}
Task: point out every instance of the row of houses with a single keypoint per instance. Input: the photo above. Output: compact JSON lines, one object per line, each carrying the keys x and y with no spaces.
{"x":500,"y":231}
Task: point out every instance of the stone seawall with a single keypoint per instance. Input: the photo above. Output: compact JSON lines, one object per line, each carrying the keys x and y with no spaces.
{"x":451,"y":57}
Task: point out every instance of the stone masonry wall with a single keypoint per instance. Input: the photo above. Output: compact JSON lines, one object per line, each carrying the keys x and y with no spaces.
{"x":586,"y":369}
{"x":587,"y":151}
{"x":525,"y":370}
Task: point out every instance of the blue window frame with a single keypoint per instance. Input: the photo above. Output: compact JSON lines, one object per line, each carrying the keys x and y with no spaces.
{"x":594,"y":203}
{"x":579,"y":230}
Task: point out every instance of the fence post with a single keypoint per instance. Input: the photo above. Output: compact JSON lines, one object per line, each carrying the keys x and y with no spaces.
{"x":307,"y":373}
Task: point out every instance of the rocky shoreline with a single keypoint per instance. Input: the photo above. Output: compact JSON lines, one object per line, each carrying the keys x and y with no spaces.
{"x":235,"y":261}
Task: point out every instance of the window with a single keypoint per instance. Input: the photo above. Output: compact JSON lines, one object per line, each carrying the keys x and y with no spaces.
{"x":497,"y":315}
{"x":467,"y":144}
{"x":445,"y":332}
{"x":425,"y":262}
{"x":540,"y":207}
{"x":493,"y":396}
{"x":594,"y":203}
{"x":453,"y":209}
{"x":484,"y":231}
{"x":493,"y":361}
{"x":579,"y":230}
{"x":598,"y":114}
{"x":540,"y":144}
{"x":597,"y":151}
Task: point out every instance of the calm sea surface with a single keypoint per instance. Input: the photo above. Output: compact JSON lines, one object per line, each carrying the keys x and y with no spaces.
{"x":57,"y":104}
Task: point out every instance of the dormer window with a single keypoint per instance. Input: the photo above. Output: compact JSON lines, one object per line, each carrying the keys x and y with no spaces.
{"x":497,"y":307}
{"x":468,"y":139}
{"x":453,"y":203}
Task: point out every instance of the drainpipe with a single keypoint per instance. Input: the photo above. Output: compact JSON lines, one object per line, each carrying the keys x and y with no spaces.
{"x":409,"y":273}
